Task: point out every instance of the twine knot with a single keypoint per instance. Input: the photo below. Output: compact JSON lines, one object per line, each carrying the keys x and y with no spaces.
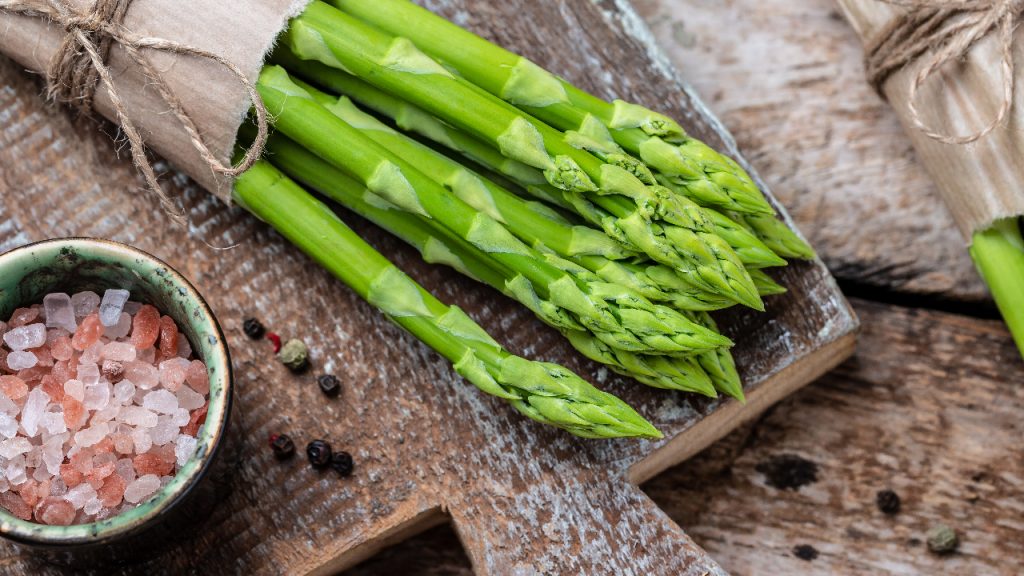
{"x":79,"y":66}
{"x":948,"y":29}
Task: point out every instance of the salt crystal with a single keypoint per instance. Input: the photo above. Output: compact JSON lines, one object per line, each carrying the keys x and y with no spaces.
{"x":75,"y":389}
{"x":8,"y":426}
{"x":7,"y":406}
{"x":197,"y":377}
{"x":161,"y":401}
{"x":120,"y":329}
{"x":58,"y":487}
{"x":164,"y":431}
{"x":119,"y":352}
{"x":125,"y":468}
{"x":106,"y":414}
{"x":88,"y":333}
{"x":184,"y":348}
{"x":79,"y":495}
{"x":15,"y":471}
{"x":85,"y":303}
{"x":173,"y":373}
{"x":53,"y":455}
{"x":4,"y":484}
{"x":26,"y":337}
{"x":141,"y":488}
{"x":89,"y":374}
{"x":22,"y":360}
{"x":138,"y":416}
{"x":190,"y":399}
{"x":124,"y":391}
{"x":14,"y":446}
{"x":92,"y":354}
{"x":53,"y":421}
{"x":112,"y":491}
{"x":41,"y":474}
{"x":97,"y":396}
{"x":59,"y":312}
{"x":92,"y":506}
{"x":74,"y":412}
{"x":112,"y":371}
{"x":180,"y":417}
{"x":111,"y":306}
{"x":123,"y":443}
{"x":92,"y":435}
{"x":143,"y":375}
{"x":32,"y":413}
{"x":13,"y":387}
{"x":184,"y":448}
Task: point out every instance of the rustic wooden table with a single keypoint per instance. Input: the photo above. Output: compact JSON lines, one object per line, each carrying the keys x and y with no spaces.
{"x":910,"y":412}
{"x":931,"y":404}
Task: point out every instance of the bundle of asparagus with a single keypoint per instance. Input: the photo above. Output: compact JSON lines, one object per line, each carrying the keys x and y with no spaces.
{"x":604,"y":219}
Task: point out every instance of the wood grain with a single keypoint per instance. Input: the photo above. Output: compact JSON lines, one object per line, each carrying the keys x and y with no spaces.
{"x":787,"y":77}
{"x":521,"y":497}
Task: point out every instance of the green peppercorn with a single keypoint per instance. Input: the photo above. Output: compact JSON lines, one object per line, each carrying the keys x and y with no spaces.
{"x":942,"y":539}
{"x":294,"y":355}
{"x":329,"y":384}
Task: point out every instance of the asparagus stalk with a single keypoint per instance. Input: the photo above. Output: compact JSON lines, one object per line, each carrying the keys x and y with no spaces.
{"x":618,"y":316}
{"x":667,"y":227}
{"x":684,"y":374}
{"x":697,"y":170}
{"x":682,"y":293}
{"x":545,"y":392}
{"x":998,"y":252}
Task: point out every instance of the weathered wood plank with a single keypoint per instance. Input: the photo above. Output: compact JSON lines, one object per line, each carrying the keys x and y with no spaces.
{"x":930,"y":407}
{"x":787,"y":78}
{"x":425,"y":443}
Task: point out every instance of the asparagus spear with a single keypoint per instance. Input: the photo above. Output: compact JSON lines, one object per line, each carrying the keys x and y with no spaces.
{"x":697,"y":170}
{"x":545,"y":392}
{"x":998,"y":252}
{"x":669,"y":228}
{"x":618,"y":316}
{"x":441,"y":247}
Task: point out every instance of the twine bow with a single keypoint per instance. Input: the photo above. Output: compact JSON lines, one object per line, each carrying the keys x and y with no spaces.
{"x":79,"y":65}
{"x":951,"y":27}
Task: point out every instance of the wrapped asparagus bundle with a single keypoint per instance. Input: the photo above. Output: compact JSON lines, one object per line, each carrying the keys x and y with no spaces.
{"x":948,"y":70}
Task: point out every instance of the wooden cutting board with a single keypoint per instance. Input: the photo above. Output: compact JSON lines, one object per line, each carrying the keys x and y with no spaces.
{"x":428,"y":447}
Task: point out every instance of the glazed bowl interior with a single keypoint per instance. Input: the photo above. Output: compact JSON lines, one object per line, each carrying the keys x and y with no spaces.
{"x":72,"y":265}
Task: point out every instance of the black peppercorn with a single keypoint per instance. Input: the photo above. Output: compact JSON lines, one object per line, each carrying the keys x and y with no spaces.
{"x":282,"y":445}
{"x":329,"y":384}
{"x":253,"y":328}
{"x":888,"y":501}
{"x":319,"y":453}
{"x":342,"y":463}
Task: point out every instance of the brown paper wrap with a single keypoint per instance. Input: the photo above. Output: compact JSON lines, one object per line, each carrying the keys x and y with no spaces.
{"x":241,"y":32}
{"x":979,"y":182}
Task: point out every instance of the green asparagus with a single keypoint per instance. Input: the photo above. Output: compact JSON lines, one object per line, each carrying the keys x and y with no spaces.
{"x":667,"y":227}
{"x":545,"y":392}
{"x":697,"y":170}
{"x":618,"y":316}
{"x":998,"y":252}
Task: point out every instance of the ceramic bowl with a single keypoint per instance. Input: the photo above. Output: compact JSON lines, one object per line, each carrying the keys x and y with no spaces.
{"x":75,"y":264}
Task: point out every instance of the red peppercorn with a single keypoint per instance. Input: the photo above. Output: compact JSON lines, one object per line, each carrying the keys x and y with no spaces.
{"x":276,"y":340}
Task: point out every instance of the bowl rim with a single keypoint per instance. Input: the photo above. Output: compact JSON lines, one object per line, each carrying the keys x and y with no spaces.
{"x":219,"y":408}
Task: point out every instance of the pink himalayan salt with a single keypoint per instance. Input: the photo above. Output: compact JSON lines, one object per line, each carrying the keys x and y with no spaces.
{"x":72,"y":476}
{"x":13,"y":387}
{"x":4,"y":368}
{"x":150,"y":463}
{"x":65,"y":370}
{"x":123,"y":443}
{"x":145,"y":327}
{"x":197,"y":377}
{"x":56,"y":512}
{"x":54,"y":390}
{"x":88,"y":333}
{"x":197,"y":419}
{"x":33,"y":375}
{"x":43,"y":357}
{"x":173,"y":373}
{"x":74,"y":413}
{"x":168,"y":339}
{"x":118,"y":352}
{"x":15,"y":505}
{"x":23,"y":317}
{"x":112,"y":491}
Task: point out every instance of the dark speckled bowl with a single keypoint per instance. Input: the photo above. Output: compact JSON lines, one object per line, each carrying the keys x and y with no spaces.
{"x":75,"y":264}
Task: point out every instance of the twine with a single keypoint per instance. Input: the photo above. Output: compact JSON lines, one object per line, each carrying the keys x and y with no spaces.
{"x":950,"y":28}
{"x":79,"y":66}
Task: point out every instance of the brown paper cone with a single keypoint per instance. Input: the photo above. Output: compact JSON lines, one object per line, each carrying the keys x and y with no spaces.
{"x":979,"y":182}
{"x":241,"y":32}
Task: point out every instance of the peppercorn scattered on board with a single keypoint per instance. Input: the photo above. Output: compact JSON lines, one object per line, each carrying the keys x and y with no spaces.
{"x":428,"y":448}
